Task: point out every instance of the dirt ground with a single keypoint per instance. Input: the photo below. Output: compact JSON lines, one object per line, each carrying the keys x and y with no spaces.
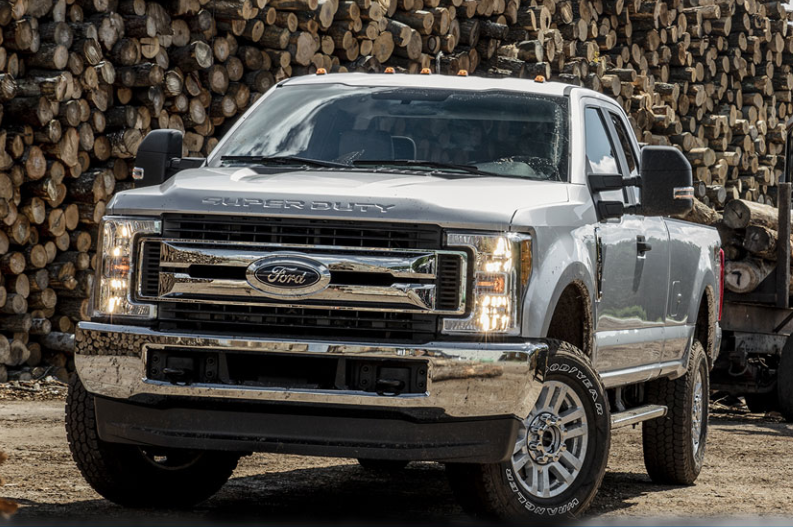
{"x":748,"y":473}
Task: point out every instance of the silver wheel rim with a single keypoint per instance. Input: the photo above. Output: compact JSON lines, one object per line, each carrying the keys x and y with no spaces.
{"x":552,"y":442}
{"x":697,"y":412}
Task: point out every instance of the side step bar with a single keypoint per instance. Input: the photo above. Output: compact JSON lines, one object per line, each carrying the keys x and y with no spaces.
{"x":637,"y":415}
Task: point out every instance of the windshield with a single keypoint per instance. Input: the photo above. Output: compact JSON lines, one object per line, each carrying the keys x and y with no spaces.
{"x":488,"y":132}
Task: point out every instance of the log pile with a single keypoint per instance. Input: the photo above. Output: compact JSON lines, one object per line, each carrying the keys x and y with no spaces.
{"x":750,"y":239}
{"x":83,"y":81}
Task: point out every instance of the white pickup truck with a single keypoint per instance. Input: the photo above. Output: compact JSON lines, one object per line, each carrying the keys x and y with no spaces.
{"x":394,"y":268}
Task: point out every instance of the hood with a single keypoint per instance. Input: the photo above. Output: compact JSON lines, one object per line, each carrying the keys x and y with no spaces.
{"x":474,"y":202}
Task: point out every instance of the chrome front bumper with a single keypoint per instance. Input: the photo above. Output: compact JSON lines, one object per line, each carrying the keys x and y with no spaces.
{"x":464,"y":379}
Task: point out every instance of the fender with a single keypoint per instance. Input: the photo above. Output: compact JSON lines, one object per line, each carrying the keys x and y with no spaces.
{"x":544,"y":294}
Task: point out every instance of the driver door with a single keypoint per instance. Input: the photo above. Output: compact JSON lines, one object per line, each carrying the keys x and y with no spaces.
{"x":620,"y":312}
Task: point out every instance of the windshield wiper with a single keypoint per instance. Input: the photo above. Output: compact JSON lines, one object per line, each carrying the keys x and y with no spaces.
{"x":283,"y":160}
{"x":414,"y":163}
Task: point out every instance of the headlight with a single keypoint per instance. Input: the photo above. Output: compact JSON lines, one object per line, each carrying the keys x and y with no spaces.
{"x":502,"y":265}
{"x":114,"y":287}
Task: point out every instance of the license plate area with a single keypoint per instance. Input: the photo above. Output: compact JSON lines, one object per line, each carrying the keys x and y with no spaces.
{"x":288,"y":371}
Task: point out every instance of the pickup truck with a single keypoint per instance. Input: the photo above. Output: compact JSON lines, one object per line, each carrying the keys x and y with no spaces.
{"x":395,"y":268}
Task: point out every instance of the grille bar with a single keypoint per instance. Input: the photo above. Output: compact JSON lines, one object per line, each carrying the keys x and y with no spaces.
{"x":283,"y":322}
{"x":302,"y":231}
{"x":354,"y":245}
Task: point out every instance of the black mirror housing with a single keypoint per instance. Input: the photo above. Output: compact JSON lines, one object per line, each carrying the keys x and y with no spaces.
{"x":155,"y":153}
{"x":667,"y":182}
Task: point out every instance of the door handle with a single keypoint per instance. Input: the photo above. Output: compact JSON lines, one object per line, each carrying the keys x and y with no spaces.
{"x":642,"y":246}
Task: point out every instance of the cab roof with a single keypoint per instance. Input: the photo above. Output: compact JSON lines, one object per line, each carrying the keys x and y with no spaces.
{"x":437,"y":81}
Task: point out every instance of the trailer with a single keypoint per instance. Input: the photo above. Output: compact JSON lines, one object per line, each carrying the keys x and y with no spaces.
{"x":756,"y":356}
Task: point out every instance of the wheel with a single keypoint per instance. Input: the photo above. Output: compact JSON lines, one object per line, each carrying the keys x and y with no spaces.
{"x":560,"y":452}
{"x":674,"y":445}
{"x":382,"y":465}
{"x":784,"y":382}
{"x":760,"y":403}
{"x":140,"y":477}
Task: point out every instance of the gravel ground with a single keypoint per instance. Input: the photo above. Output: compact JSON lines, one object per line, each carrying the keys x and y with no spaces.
{"x":747,"y":474}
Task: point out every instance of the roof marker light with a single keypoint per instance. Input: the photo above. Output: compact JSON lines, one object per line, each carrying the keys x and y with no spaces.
{"x":389,"y":70}
{"x":462,"y":73}
{"x":539,"y":78}
{"x":426,"y":71}
{"x":321,"y":71}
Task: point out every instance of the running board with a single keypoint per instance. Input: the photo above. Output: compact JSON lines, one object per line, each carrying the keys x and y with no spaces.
{"x":637,"y":415}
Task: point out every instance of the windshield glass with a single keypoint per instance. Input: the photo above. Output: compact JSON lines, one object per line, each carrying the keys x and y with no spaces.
{"x":493,"y":132}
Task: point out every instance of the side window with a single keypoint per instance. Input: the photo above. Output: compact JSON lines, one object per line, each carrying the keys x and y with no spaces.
{"x":599,"y":151}
{"x":625,"y":142}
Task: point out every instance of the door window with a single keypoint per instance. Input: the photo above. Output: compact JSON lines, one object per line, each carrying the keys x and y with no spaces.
{"x":625,"y":142}
{"x":600,"y":155}
{"x":599,"y":151}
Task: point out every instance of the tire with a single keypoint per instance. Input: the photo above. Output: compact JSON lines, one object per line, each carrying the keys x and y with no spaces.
{"x":500,"y":491}
{"x":383,"y":465}
{"x":784,"y":382}
{"x":760,"y":403}
{"x":674,"y":445}
{"x":134,"y":476}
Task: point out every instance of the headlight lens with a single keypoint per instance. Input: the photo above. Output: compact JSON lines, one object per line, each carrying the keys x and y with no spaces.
{"x":114,"y":287}
{"x":502,"y":265}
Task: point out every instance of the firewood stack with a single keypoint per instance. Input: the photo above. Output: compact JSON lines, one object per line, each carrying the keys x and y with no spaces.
{"x":83,"y":81}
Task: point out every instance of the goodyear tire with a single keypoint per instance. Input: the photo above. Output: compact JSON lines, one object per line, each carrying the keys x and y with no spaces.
{"x":674,"y":445}
{"x":137,"y":477}
{"x":560,"y":453}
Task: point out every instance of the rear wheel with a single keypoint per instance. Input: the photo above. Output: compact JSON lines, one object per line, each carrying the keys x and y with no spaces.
{"x":674,"y":445}
{"x":140,"y":476}
{"x":560,"y":452}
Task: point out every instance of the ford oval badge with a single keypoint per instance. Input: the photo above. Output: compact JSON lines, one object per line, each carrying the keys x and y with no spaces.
{"x":288,"y":275}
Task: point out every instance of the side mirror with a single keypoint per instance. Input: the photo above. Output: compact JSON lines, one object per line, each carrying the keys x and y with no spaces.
{"x":667,"y":183}
{"x":155,"y":154}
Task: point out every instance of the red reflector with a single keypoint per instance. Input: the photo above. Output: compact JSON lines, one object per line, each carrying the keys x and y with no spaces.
{"x":721,"y":281}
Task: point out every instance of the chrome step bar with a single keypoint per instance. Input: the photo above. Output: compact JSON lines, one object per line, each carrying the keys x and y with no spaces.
{"x":637,"y":415}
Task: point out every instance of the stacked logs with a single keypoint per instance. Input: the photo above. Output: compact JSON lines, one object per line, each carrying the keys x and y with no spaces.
{"x":750,"y":238}
{"x":83,"y":81}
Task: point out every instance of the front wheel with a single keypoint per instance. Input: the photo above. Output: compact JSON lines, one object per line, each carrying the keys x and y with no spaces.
{"x":674,"y":446}
{"x":560,"y":452}
{"x":135,"y":476}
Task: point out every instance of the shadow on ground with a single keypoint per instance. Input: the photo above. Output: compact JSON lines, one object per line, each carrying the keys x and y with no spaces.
{"x":345,"y":494}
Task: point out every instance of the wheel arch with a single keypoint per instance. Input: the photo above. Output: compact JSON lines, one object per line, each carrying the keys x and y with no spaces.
{"x":706,"y":321}
{"x":571,"y":294}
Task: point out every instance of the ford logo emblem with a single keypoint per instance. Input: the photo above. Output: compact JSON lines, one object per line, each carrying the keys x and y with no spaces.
{"x":288,"y":275}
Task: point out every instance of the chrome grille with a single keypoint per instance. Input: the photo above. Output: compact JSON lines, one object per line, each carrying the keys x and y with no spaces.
{"x":378,"y":235}
{"x":386,"y":283}
{"x":291,"y":322}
